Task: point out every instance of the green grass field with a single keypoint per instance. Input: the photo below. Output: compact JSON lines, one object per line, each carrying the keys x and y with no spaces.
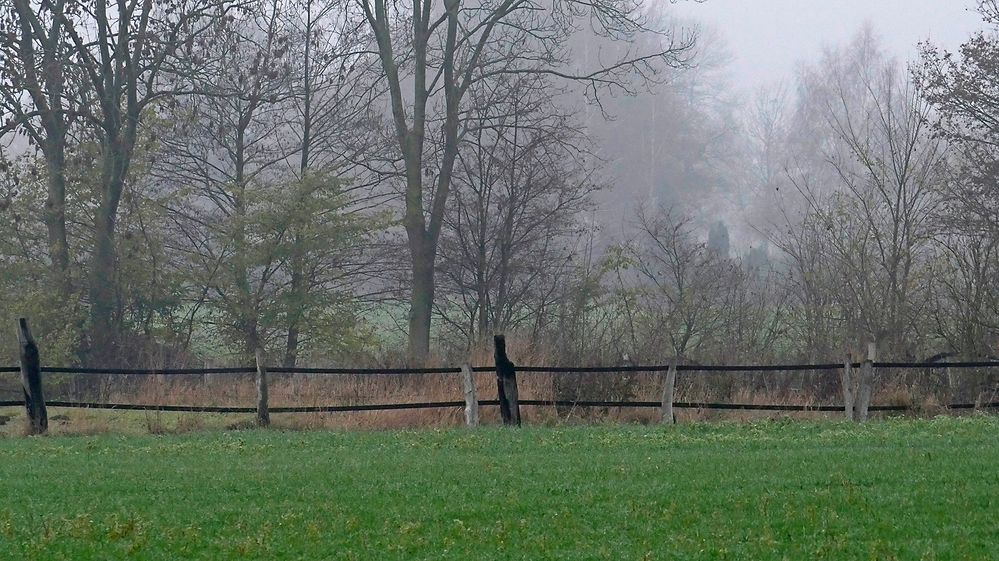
{"x":896,"y":489}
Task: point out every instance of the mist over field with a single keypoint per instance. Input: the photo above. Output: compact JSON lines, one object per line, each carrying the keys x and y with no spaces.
{"x":358,"y":182}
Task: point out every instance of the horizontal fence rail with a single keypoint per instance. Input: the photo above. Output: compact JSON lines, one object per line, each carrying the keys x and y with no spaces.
{"x":241,"y":370}
{"x":482,"y":402}
{"x":520,"y":369}
{"x":679,"y":367}
{"x":973,"y":364}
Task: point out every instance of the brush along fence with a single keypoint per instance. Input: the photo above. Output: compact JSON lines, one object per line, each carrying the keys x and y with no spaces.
{"x":855,"y":380}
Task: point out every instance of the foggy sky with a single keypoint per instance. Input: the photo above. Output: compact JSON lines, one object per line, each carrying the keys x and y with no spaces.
{"x":765,"y":38}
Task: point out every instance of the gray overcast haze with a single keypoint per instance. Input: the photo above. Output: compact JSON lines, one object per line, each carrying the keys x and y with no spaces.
{"x":765,"y":38}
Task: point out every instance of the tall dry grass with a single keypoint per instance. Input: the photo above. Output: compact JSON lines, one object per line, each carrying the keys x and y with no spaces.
{"x":324,"y":390}
{"x":925,"y":391}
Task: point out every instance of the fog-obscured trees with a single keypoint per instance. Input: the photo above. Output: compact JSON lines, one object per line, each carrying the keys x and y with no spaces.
{"x":264,"y":218}
{"x":226,"y":147}
{"x":441,"y":54}
{"x":962,"y":88}
{"x":872,"y":190}
{"x":693,"y":300}
{"x":523,"y":177}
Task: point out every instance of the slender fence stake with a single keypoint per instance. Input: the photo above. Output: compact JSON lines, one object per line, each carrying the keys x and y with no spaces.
{"x":506,"y":384}
{"x":668,"y":388}
{"x":31,"y":380}
{"x":846,"y":381}
{"x":866,"y":383}
{"x":263,"y":415}
{"x":471,"y":403}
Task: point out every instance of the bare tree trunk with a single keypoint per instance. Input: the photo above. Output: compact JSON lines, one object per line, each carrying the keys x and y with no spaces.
{"x":295,"y":304}
{"x":297,"y":261}
{"x":421,"y":306}
{"x":55,"y":215}
{"x":482,"y":303}
{"x":103,"y":331}
{"x":291,"y":352}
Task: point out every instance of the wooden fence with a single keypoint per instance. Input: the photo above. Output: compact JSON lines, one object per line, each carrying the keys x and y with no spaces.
{"x":856,"y":382}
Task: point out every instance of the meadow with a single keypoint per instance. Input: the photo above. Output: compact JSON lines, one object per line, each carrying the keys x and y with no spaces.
{"x":889,"y":489}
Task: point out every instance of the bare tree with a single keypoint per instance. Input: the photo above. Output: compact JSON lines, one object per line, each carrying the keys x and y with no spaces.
{"x":523,"y":178}
{"x":227,"y":145}
{"x":265,"y":219}
{"x":445,"y":52}
{"x":685,"y":286}
{"x":962,"y":89}
{"x":335,"y":84}
{"x":877,"y":207}
{"x":965,"y":302}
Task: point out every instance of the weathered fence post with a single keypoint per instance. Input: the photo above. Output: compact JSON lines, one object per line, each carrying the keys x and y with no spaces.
{"x":506,"y":384}
{"x":846,"y":380}
{"x":866,"y":383}
{"x":668,"y":387}
{"x":31,"y":380}
{"x":471,"y":403}
{"x":263,"y":415}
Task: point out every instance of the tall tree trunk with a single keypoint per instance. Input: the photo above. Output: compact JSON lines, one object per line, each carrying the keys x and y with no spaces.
{"x":295,"y":305}
{"x":291,"y":352}
{"x":55,"y":216}
{"x":297,"y":289}
{"x":103,"y":332}
{"x":45,"y":90}
{"x":483,"y":308}
{"x":424,"y":252}
{"x":246,"y":305}
{"x":421,"y":301}
{"x":422,"y":236}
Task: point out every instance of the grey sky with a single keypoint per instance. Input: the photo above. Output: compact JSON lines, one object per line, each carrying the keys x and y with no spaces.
{"x":766,"y":37}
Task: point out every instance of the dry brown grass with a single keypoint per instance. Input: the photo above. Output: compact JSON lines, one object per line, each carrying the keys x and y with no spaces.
{"x":81,"y":423}
{"x":923,"y":394}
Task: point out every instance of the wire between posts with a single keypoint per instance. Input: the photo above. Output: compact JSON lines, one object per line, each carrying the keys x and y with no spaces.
{"x":665,"y":367}
{"x":532,"y":369}
{"x":240,"y":370}
{"x":484,"y":402}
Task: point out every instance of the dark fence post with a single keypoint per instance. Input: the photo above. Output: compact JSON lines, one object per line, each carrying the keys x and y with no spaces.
{"x":263,"y":415}
{"x":506,"y":384}
{"x":31,"y":380}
